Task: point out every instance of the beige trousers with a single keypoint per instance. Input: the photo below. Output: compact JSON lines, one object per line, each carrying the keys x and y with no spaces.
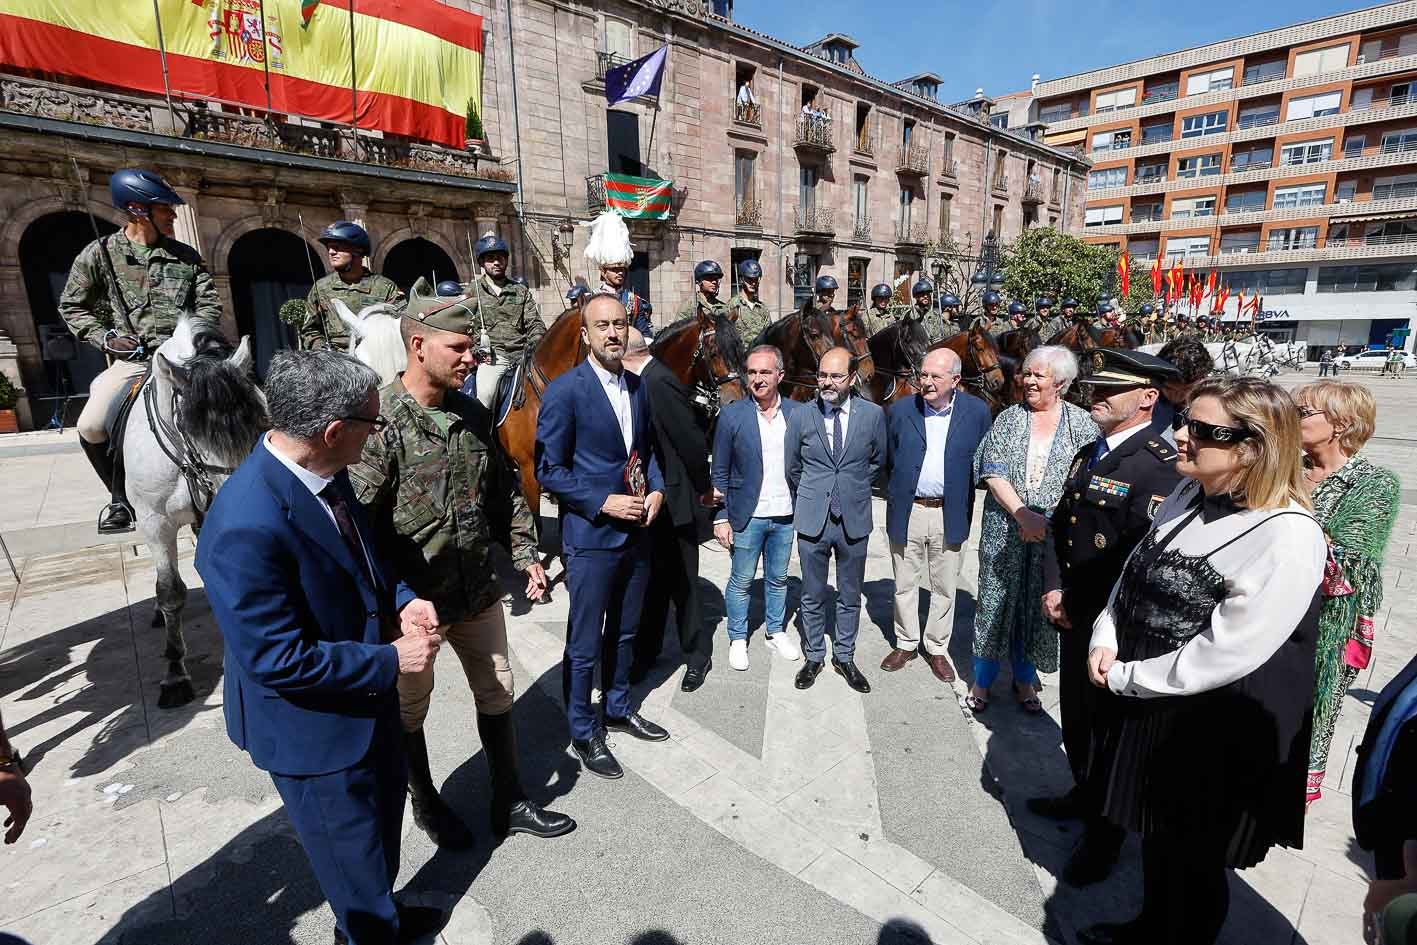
{"x":102,"y":391}
{"x":925,"y":556}
{"x":480,"y":642}
{"x":488,"y":377}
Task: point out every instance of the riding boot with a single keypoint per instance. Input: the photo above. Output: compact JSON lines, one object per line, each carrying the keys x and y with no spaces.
{"x":511,"y":811}
{"x":117,"y":516}
{"x":434,"y":817}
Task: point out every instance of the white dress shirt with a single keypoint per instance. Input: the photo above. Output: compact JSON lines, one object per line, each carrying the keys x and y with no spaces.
{"x":1122,"y":436}
{"x":316,"y":483}
{"x":931,"y":484}
{"x":774,"y":499}
{"x":619,"y":396}
{"x":845,"y":408}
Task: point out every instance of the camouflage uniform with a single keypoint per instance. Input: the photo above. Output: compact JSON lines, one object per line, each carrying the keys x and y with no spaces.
{"x":438,"y":498}
{"x":715,"y":306}
{"x":513,"y":323}
{"x":876,"y":320}
{"x":753,"y":317}
{"x":371,"y":289}
{"x":158,"y":284}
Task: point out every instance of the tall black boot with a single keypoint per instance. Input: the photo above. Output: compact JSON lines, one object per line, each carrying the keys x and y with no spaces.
{"x":117,"y":516}
{"x":434,"y":817}
{"x":511,"y":811}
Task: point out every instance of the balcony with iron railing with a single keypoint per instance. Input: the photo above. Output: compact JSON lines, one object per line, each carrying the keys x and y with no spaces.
{"x":748,"y":113}
{"x":863,"y":144}
{"x":595,"y":193}
{"x":1033,"y":192}
{"x":1151,"y":213}
{"x":912,"y":160}
{"x":605,"y":61}
{"x":949,"y":167}
{"x":748,"y":215}
{"x":1161,"y":93}
{"x":814,"y":221}
{"x":911,"y":235}
{"x":1157,"y":135}
{"x":861,"y":231}
{"x":1394,"y":191}
{"x":813,"y":134}
{"x":1000,"y":183}
{"x":1270,"y":72}
{"x":1258,"y":120}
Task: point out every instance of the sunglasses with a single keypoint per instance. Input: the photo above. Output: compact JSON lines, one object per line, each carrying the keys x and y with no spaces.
{"x":1305,"y":412}
{"x":1200,"y":430}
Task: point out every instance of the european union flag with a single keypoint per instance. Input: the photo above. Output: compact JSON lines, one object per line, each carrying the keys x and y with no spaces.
{"x":635,"y":79}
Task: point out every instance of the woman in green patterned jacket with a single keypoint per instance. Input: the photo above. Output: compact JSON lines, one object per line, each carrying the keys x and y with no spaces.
{"x":1356,"y":503}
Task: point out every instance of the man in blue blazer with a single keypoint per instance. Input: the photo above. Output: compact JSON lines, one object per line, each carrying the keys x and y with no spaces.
{"x":595,"y":454}
{"x":834,"y":449}
{"x":315,"y":634}
{"x":929,"y":505}
{"x":755,"y":520}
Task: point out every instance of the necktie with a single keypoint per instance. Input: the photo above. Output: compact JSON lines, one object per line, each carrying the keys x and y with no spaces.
{"x":1098,"y":452}
{"x":347,"y":530}
{"x":836,"y":432}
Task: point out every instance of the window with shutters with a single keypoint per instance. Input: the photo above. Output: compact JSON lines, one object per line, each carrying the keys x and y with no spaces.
{"x":1099,"y":216}
{"x":1193,"y":207}
{"x":1112,"y":140}
{"x":946,"y":203}
{"x":619,"y":40}
{"x":1107,"y":177}
{"x":1187,"y":246}
{"x":1242,"y":242}
{"x":1245,"y":201}
{"x":1299,"y":195}
{"x":1213,"y":81}
{"x":1111,"y":101}
{"x":1319,"y":61}
{"x":1294,"y":237}
{"x":1201,"y":165}
{"x":1194,"y":126}
{"x":1252,"y":158}
{"x":1312,"y":106}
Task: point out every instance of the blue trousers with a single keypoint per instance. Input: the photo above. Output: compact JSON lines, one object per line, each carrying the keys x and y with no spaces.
{"x":771,"y":540}
{"x":814,"y":555}
{"x":607,"y":589}
{"x":350,"y":823}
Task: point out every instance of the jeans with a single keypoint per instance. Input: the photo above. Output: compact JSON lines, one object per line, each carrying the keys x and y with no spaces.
{"x":986,"y":671}
{"x":770,"y":539}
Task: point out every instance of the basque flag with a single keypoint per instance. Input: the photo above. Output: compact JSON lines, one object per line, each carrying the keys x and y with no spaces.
{"x":635,"y":79}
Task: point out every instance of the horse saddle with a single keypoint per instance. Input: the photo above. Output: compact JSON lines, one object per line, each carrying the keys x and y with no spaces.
{"x":511,"y":391}
{"x":117,"y":420}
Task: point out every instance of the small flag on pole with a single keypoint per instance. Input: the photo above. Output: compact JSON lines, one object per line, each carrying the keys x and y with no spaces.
{"x":638,"y":198}
{"x":632,"y":80}
{"x":307,"y":10}
{"x":1124,"y":273}
{"x":1156,"y":276}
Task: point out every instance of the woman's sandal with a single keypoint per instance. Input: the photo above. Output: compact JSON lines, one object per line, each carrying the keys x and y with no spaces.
{"x":973,"y":703}
{"x":1032,"y":705}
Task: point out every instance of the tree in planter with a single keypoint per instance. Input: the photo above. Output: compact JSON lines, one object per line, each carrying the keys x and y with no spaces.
{"x":9,"y":396}
{"x":474,"y":130}
{"x":293,"y":312}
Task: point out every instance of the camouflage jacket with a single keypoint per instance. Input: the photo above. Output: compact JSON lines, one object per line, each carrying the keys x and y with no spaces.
{"x":876,"y":320}
{"x":158,"y":284}
{"x":753,"y":318}
{"x":938,"y":327}
{"x":439,"y":502}
{"x":716,"y":306}
{"x":510,"y":316}
{"x":371,"y":289}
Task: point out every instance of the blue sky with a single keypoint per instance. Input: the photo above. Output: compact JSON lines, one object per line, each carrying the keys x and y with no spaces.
{"x":1000,"y":45}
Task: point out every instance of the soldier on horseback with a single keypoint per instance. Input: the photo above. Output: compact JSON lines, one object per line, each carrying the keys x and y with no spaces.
{"x":1151,"y":327}
{"x":751,"y":314}
{"x":988,"y":320}
{"x":826,"y":294}
{"x":1017,"y":314}
{"x":346,"y":246}
{"x":509,"y":321}
{"x":124,"y":295}
{"x":1043,"y":320}
{"x":575,"y":295}
{"x":708,"y":276}
{"x":949,"y":325}
{"x":880,"y":315}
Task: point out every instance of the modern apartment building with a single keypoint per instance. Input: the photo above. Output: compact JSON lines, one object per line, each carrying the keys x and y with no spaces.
{"x":1285,"y":160}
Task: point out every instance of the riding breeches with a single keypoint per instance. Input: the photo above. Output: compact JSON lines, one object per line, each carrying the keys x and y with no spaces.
{"x":488,"y":377}
{"x":102,"y":391}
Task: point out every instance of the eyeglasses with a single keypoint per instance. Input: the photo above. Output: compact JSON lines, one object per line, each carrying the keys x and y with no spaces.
{"x":1211,"y":432}
{"x":378,"y":423}
{"x":835,"y":378}
{"x":1305,"y":411}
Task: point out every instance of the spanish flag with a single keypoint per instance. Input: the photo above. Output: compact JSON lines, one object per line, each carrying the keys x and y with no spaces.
{"x":1124,"y":273}
{"x":1157,"y":274}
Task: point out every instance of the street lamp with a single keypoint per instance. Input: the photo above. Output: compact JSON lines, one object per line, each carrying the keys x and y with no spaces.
{"x":989,"y":275}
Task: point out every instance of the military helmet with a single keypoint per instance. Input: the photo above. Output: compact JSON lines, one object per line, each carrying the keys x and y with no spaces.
{"x":992,"y":298}
{"x":576,"y":292}
{"x":923,"y":286}
{"x":1042,"y":303}
{"x":134,"y":185}
{"x":826,"y":284}
{"x":881,"y":291}
{"x":1147,"y":309}
{"x":490,"y":243}
{"x":449,"y":289}
{"x":1017,"y":308}
{"x":708,"y":269}
{"x":949,"y":301}
{"x":1070,"y":302}
{"x":750,"y":269}
{"x":1104,"y":308}
{"x":343,"y":231}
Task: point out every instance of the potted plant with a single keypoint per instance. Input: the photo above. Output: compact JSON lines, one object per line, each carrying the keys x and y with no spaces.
{"x":474,"y":134}
{"x":9,"y":396}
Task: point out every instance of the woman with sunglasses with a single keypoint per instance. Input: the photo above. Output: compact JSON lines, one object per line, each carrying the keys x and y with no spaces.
{"x":1207,"y":646}
{"x":1356,"y":503}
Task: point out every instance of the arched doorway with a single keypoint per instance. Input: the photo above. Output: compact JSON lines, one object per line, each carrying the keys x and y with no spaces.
{"x":48,"y":248}
{"x":418,"y":257}
{"x":268,"y":268}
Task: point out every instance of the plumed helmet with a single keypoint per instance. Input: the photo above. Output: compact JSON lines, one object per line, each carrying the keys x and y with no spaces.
{"x":134,"y":185}
{"x":826,"y":284}
{"x":923,"y":286}
{"x":992,"y":298}
{"x":490,"y":243}
{"x":1070,"y":302}
{"x":1147,"y":309}
{"x":343,"y":231}
{"x":708,"y":269}
{"x":576,"y":292}
{"x":449,"y":288}
{"x":1042,"y":303}
{"x":1017,"y":308}
{"x":949,"y":301}
{"x":750,"y":269}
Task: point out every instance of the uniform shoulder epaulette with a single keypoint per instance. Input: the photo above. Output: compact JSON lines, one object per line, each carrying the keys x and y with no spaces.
{"x":1160,"y":448}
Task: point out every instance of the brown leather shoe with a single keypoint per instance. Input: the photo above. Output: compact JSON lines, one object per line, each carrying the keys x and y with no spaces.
{"x":940,"y":666}
{"x":897,"y":659}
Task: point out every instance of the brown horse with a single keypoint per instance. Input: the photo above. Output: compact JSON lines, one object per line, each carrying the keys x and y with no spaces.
{"x":805,"y":336}
{"x":981,"y":365}
{"x":897,"y":351}
{"x":706,"y":354}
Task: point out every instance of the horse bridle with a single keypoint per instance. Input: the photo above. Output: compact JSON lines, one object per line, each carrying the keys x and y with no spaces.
{"x":711,"y":391}
{"x":971,"y":360}
{"x":179,"y":448}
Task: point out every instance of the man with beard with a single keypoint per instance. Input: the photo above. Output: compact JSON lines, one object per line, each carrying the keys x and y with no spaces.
{"x":439,"y":490}
{"x":595,"y":454}
{"x":346,"y":246}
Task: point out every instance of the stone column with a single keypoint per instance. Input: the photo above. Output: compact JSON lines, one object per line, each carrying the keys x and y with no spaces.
{"x":186,"y":231}
{"x":354,"y":205}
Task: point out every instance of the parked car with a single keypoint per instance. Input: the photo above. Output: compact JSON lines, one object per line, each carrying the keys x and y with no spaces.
{"x":1371,"y":360}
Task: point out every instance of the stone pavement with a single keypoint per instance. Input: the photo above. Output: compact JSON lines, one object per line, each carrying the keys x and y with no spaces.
{"x":771,"y":816}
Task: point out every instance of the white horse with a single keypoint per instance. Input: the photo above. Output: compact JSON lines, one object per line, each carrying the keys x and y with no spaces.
{"x":198,"y":417}
{"x":375,"y":338}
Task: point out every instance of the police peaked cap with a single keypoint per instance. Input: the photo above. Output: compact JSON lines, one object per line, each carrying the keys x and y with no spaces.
{"x":1126,"y":367}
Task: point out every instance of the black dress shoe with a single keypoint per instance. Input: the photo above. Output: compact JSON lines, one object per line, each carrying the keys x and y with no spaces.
{"x":114,"y":519}
{"x":1064,"y":807}
{"x":807,"y":674}
{"x":1094,"y":856}
{"x":694,"y":677}
{"x":1134,"y":932}
{"x":847,"y":670}
{"x":597,"y":757}
{"x":416,"y":922}
{"x":527,"y":817}
{"x":638,"y":726}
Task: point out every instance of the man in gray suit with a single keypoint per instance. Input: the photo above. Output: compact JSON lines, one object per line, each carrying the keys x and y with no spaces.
{"x":833,"y":451}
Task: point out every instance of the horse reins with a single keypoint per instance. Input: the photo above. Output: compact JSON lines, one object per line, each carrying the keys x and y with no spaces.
{"x":183,"y":453}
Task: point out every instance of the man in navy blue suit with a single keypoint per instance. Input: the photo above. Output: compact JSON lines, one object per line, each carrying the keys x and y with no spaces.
{"x":929,"y":503}
{"x":315,"y":635}
{"x":595,"y":453}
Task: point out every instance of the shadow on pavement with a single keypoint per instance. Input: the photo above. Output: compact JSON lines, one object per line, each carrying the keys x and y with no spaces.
{"x":894,"y":932}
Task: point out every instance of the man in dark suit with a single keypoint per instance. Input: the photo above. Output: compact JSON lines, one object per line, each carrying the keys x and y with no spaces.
{"x":929,"y":505}
{"x":594,"y":452}
{"x":316,"y":632}
{"x":681,"y":433}
{"x":1114,"y":487}
{"x":833,"y":451}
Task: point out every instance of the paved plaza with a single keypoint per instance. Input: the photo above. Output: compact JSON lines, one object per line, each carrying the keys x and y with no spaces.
{"x":771,"y":816}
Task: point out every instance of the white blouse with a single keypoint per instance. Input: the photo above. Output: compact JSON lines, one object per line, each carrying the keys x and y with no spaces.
{"x":1270,"y":575}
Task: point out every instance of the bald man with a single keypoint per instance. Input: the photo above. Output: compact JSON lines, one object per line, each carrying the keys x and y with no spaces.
{"x":929,"y":505}
{"x":833,"y":451}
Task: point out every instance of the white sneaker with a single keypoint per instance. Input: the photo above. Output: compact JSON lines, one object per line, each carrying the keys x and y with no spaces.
{"x":786,"y":647}
{"x":738,"y":654}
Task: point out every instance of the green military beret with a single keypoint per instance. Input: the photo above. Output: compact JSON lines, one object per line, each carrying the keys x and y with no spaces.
{"x":456,"y":314}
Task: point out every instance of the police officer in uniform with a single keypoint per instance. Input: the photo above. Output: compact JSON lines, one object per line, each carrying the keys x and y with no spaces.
{"x":508,"y":319}
{"x":439,"y":491}
{"x":1113,"y":490}
{"x":124,"y":295}
{"x":346,"y":245}
{"x":751,"y":314}
{"x":948,"y":324}
{"x":708,"y":277}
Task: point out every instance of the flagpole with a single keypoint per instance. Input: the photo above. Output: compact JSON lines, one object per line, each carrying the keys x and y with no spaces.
{"x":265,"y":60}
{"x":353,"y":84}
{"x":162,"y":55}
{"x":649,"y":151}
